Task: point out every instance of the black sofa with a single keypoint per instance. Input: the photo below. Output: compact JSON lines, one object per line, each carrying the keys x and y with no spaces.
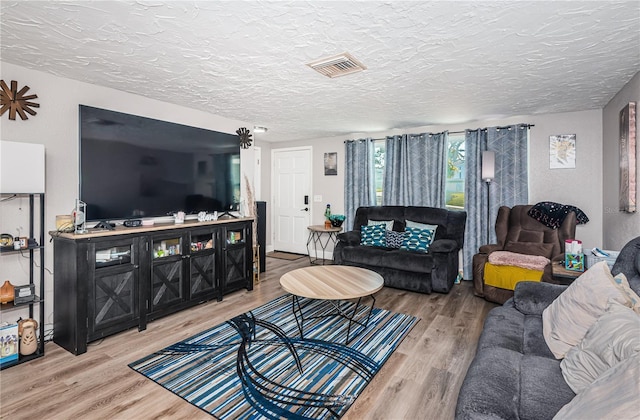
{"x":435,"y":270}
{"x":514,"y":375}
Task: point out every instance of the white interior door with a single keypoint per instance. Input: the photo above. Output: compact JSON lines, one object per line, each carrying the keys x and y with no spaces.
{"x":291,"y":198}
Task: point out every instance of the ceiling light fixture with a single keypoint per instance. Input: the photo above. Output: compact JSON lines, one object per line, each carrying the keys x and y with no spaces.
{"x":258,"y":129}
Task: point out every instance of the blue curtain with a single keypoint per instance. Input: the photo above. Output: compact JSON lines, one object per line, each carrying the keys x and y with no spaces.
{"x":509,"y":187}
{"x":511,"y":184}
{"x":415,"y":170}
{"x":359,"y":184}
{"x":475,"y":198}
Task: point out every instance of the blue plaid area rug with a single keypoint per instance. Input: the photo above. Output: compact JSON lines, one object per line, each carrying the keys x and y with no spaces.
{"x":257,"y":366}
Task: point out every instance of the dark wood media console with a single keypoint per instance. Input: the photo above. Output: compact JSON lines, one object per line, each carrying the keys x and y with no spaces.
{"x":109,"y":281}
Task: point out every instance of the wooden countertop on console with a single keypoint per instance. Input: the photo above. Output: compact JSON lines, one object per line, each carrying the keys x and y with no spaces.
{"x":122,"y":230}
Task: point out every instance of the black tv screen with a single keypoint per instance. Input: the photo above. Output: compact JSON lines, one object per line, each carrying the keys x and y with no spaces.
{"x":135,"y":167}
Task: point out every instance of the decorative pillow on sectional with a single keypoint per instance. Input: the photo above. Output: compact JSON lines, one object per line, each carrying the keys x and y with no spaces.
{"x":566,"y":320}
{"x":387,"y":223}
{"x":633,"y":300}
{"x":613,"y":338}
{"x":530,"y":248}
{"x":395,"y":239}
{"x":416,"y":225}
{"x":417,"y":239}
{"x":614,"y":395}
{"x":373,"y":235}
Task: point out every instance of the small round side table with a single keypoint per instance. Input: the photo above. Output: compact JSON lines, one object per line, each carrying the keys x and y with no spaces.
{"x":316,"y":233}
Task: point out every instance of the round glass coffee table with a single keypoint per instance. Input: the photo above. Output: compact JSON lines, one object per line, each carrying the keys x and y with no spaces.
{"x":333,"y":283}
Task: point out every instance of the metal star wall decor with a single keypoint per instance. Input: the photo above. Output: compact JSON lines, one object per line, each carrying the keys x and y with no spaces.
{"x":245,"y":137}
{"x":15,"y":101}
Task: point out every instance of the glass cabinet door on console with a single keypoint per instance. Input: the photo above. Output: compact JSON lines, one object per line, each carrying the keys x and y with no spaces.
{"x":237,"y":258}
{"x":203,"y":279}
{"x":167,"y":286}
{"x":113,"y":289}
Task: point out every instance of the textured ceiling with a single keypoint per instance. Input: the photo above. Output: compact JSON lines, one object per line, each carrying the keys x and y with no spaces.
{"x":436,"y":62}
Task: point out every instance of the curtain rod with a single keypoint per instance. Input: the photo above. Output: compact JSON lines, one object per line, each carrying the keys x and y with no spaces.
{"x":462,"y":132}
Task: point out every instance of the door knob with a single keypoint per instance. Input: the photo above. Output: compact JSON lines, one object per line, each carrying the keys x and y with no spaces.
{"x":305,"y":209}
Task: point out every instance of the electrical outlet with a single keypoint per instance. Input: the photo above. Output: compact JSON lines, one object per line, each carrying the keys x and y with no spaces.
{"x":317,"y":199}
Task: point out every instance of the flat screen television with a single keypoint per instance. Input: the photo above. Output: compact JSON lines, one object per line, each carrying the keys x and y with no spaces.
{"x":138,"y":167}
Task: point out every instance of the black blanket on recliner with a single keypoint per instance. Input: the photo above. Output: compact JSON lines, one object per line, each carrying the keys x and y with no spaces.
{"x":552,"y":214}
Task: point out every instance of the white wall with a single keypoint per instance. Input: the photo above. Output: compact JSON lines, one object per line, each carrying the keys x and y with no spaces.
{"x":618,"y":227}
{"x":581,"y":187}
{"x":56,"y":126}
{"x":330,"y":187}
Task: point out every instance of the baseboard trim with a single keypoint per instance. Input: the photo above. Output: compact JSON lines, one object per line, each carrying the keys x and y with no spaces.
{"x":328,"y":254}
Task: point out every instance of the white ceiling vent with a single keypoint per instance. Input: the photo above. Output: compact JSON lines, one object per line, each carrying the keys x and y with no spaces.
{"x":337,"y":65}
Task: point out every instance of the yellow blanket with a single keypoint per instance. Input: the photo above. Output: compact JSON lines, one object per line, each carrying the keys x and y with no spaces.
{"x":507,"y":276}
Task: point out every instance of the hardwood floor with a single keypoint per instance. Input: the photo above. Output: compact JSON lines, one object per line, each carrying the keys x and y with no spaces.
{"x":420,"y":381}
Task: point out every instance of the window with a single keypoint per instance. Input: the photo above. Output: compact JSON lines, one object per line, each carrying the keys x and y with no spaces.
{"x":454,"y":188}
{"x":379,"y":148}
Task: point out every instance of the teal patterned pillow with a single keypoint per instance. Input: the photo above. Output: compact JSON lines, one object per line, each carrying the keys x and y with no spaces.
{"x":417,"y":239}
{"x":416,"y":225}
{"x":374,"y":235}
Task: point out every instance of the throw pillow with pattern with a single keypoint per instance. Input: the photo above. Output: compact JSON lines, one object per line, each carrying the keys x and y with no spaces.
{"x":416,"y":225}
{"x":417,"y":239}
{"x":374,"y":235}
{"x":387,"y":223}
{"x":394,"y":239}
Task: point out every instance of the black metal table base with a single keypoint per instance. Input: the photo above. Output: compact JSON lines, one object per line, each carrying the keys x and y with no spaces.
{"x":347,"y":314}
{"x":315,"y":238}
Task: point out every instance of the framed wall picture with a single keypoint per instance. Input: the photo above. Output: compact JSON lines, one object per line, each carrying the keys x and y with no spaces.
{"x":331,"y":163}
{"x":628,"y":164}
{"x":562,"y":151}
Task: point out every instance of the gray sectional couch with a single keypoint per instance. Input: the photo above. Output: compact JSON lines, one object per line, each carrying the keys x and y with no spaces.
{"x":514,"y":375}
{"x":420,"y":272}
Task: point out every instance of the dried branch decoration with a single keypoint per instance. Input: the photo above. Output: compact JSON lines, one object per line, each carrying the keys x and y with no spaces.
{"x":251,"y":209}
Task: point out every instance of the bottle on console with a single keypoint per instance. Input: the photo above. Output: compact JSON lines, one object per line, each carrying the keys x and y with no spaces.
{"x":327,"y":217}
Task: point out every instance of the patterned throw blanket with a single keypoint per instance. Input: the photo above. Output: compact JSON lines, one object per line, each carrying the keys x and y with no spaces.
{"x":553,"y":214}
{"x":530,"y":262}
